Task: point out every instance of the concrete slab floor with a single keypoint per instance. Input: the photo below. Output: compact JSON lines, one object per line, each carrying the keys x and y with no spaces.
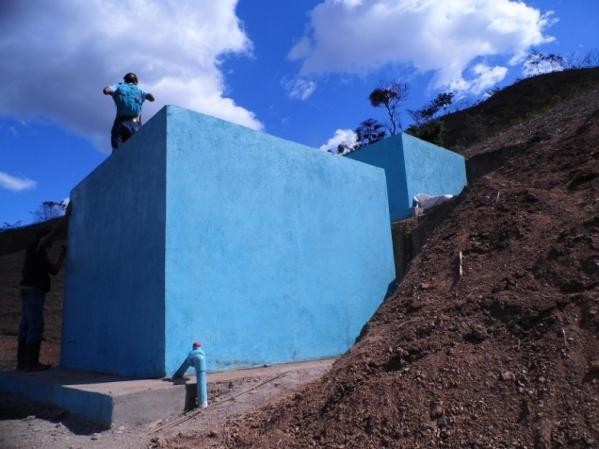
{"x":29,"y":425}
{"x":110,"y":401}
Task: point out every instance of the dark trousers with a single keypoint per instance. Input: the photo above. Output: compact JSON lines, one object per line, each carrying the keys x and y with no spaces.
{"x":122,"y":129}
{"x":31,"y":327}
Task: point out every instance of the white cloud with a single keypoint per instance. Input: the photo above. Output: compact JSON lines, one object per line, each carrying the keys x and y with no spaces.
{"x":16,"y":184}
{"x":484,"y":78}
{"x":299,"y":88}
{"x":360,"y":36}
{"x":62,"y":54}
{"x":342,"y":137}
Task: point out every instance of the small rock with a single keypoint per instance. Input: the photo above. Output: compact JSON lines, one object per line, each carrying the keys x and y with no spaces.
{"x":437,"y":412}
{"x":37,"y":429}
{"x":594,"y":366}
{"x":475,"y":337}
{"x":442,"y":421}
{"x":212,"y":434}
{"x":158,"y":442}
{"x":507,"y":376}
{"x":29,"y":418}
{"x":95,"y":436}
{"x":121,"y":428}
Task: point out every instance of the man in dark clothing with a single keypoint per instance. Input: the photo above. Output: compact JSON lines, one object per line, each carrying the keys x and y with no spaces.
{"x":128,"y":99}
{"x":34,"y":286}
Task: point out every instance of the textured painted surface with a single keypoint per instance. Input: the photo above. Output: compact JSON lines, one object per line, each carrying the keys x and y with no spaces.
{"x":414,"y":166}
{"x":432,"y":169}
{"x":114,"y":287}
{"x":275,"y":251}
{"x":265,"y":250}
{"x":388,"y":155}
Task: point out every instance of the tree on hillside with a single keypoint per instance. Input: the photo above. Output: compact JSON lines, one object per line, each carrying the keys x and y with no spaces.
{"x":389,"y":97}
{"x":370,"y":131}
{"x":6,"y":225}
{"x":578,"y":61}
{"x":591,"y":59}
{"x":439,"y":103}
{"x":538,"y":63}
{"x":50,"y":209}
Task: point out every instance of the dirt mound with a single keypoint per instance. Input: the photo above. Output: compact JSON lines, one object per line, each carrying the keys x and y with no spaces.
{"x":505,"y":355}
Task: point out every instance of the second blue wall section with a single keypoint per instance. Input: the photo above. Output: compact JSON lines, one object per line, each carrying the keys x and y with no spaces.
{"x":414,"y":166}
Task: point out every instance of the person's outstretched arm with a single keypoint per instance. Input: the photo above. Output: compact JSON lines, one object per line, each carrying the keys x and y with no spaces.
{"x":107,"y":91}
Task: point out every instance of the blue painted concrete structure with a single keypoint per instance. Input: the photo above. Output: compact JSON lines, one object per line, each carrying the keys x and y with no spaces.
{"x":198,"y":229}
{"x":93,"y":405}
{"x":414,"y":166}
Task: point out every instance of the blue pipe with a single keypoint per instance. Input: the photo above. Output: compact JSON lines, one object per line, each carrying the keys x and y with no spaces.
{"x":196,"y":359}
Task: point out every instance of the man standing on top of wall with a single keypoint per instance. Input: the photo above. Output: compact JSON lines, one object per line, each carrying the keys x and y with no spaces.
{"x":128,"y":99}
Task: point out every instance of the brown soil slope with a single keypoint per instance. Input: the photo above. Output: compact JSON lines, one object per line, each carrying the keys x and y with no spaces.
{"x":505,"y":355}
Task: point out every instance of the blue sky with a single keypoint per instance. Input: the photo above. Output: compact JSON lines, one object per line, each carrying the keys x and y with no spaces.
{"x":301,"y":69}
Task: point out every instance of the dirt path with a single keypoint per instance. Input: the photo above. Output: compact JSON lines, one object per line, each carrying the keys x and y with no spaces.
{"x":27,"y":426}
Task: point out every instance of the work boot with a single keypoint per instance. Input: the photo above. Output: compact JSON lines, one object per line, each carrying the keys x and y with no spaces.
{"x":21,"y":355}
{"x":32,"y":360}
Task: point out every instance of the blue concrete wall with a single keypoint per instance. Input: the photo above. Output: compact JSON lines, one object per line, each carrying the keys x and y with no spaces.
{"x":414,"y":166}
{"x":432,"y":169}
{"x":388,"y":155}
{"x":266,"y":250}
{"x":274,"y":251}
{"x":114,"y":287}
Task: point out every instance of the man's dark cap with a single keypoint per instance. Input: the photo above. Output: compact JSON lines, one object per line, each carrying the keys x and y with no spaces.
{"x":130,"y":78}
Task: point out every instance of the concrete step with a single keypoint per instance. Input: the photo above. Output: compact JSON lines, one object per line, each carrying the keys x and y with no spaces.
{"x":108,"y":400}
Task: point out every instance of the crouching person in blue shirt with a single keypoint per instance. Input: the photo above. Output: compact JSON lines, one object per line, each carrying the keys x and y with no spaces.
{"x":128,"y":99}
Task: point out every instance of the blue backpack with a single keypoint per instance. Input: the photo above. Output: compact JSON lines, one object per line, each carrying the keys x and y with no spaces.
{"x":128,"y":99}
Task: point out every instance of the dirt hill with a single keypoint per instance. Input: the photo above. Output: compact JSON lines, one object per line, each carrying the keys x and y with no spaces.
{"x":505,"y":355}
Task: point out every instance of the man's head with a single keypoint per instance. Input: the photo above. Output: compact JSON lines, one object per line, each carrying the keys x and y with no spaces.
{"x":130,"y":78}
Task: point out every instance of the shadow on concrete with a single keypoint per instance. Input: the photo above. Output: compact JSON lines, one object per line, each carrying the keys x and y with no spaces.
{"x":14,"y":407}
